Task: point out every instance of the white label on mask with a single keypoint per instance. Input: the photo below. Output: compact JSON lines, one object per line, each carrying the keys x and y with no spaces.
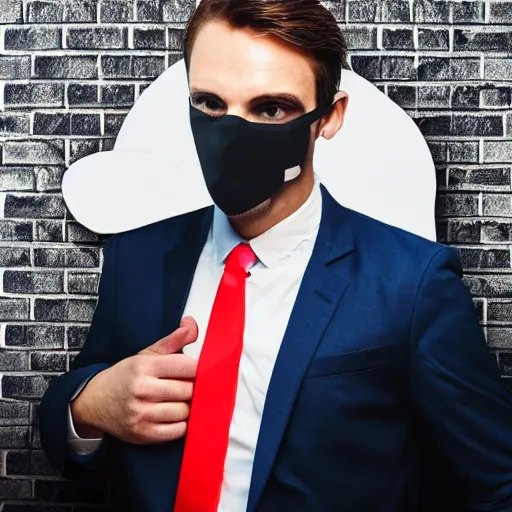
{"x":292,"y":173}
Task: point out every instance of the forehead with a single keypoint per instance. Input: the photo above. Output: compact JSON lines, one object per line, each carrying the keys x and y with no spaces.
{"x":243,"y":63}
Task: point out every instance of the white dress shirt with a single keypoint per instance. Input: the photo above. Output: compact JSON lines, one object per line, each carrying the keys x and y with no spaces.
{"x":283,"y":253}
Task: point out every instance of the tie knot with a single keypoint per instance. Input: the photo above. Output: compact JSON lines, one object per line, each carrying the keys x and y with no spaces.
{"x":242,"y":257}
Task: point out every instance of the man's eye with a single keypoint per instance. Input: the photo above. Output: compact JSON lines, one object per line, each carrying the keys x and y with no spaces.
{"x":273,"y":112}
{"x":207,"y":104}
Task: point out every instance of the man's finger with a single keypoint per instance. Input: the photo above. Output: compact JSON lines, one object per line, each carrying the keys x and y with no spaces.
{"x":186,"y":333}
{"x":174,"y":366}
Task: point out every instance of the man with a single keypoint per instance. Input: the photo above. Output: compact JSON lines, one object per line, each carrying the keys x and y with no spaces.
{"x":330,"y":362}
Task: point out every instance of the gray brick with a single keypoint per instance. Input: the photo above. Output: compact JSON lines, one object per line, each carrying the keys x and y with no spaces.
{"x":83,"y":283}
{"x":497,"y":69}
{"x":19,"y":231}
{"x":81,"y":148}
{"x":496,"y":97}
{"x":116,"y":11}
{"x":34,"y":336}
{"x":77,"y":233}
{"x":34,"y":95}
{"x":149,"y":10}
{"x":40,"y":11}
{"x":485,"y":259}
{"x":175,"y":37}
{"x":148,"y":66}
{"x":14,"y":66}
{"x":80,"y":11}
{"x":463,"y":152}
{"x":447,"y":68}
{"x":505,"y":363}
{"x":33,"y":462}
{"x":14,"y":257}
{"x":17,"y":281}
{"x":494,"y":178}
{"x":14,"y":309}
{"x":64,"y":310}
{"x":496,"y":286}
{"x":49,"y":231}
{"x":358,"y":38}
{"x":116,"y":66}
{"x":17,"y":179}
{"x":457,"y":205}
{"x":398,"y":39}
{"x":178,"y":11}
{"x":113,"y":123}
{"x":14,"y":437}
{"x":496,"y":231}
{"x":463,"y":231}
{"x":387,"y":68}
{"x":14,"y":124}
{"x":478,"y":40}
{"x":466,"y":97}
{"x":500,"y":11}
{"x":24,"y":387}
{"x":433,"y":39}
{"x":34,"y":206}
{"x":32,"y":38}
{"x":434,"y":125}
{"x":11,"y":361}
{"x":48,"y":362}
{"x":67,"y":257}
{"x":439,"y":151}
{"x":82,"y":95}
{"x":99,"y":38}
{"x":509,"y":124}
{"x":49,"y":178}
{"x":477,"y":126}
{"x":85,"y":124}
{"x":149,"y":38}
{"x":13,"y":413}
{"x":499,"y":312}
{"x":15,"y":489}
{"x":499,"y":337}
{"x":385,"y":11}
{"x":497,"y":205}
{"x":435,"y":96}
{"x":51,"y":124}
{"x":77,"y":334}
{"x":117,"y":95}
{"x":468,"y":12}
{"x":84,"y":66}
{"x":498,"y":151}
{"x":11,"y":11}
{"x":403,"y":95}
{"x":431,"y":11}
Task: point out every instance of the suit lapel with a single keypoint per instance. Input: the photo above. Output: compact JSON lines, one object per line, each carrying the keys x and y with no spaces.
{"x":324,"y":283}
{"x":181,"y":254}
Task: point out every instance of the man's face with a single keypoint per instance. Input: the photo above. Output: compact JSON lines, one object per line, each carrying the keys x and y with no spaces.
{"x":242,"y":73}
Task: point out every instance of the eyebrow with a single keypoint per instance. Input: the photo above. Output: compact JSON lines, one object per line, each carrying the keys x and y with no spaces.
{"x":292,"y":98}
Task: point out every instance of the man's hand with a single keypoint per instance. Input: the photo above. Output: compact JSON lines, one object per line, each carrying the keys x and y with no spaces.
{"x":145,"y":398}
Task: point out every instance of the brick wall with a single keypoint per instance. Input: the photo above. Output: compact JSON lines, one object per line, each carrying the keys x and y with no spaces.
{"x":69,"y":72}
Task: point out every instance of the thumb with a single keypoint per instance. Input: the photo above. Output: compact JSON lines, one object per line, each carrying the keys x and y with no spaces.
{"x":185,"y":334}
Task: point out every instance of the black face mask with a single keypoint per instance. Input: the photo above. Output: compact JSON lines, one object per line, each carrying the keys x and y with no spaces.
{"x":246,"y":163}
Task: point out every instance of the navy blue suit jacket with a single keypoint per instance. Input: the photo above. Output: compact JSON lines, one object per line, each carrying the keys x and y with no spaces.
{"x":384,"y":396}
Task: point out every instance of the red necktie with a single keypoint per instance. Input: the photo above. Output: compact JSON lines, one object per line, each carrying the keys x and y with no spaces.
{"x":206,"y":443}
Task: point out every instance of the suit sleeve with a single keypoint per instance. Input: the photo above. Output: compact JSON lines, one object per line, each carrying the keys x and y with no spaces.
{"x":94,"y":357}
{"x":456,"y":388}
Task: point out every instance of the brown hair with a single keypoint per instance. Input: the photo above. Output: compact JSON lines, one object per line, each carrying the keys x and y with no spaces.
{"x":304,"y":24}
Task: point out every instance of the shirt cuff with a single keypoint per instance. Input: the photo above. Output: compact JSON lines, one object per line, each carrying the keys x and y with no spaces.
{"x":77,"y":444}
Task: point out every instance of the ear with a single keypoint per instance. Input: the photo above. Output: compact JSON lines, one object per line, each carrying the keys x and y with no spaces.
{"x":332,"y":123}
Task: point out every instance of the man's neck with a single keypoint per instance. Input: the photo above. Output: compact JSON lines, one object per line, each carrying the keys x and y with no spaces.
{"x":293,"y":195}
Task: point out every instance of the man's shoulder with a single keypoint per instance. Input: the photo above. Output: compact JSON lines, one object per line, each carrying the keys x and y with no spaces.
{"x":393,"y":248}
{"x":158,"y":233}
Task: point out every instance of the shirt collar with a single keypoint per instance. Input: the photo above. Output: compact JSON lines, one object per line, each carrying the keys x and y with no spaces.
{"x":280,"y":240}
